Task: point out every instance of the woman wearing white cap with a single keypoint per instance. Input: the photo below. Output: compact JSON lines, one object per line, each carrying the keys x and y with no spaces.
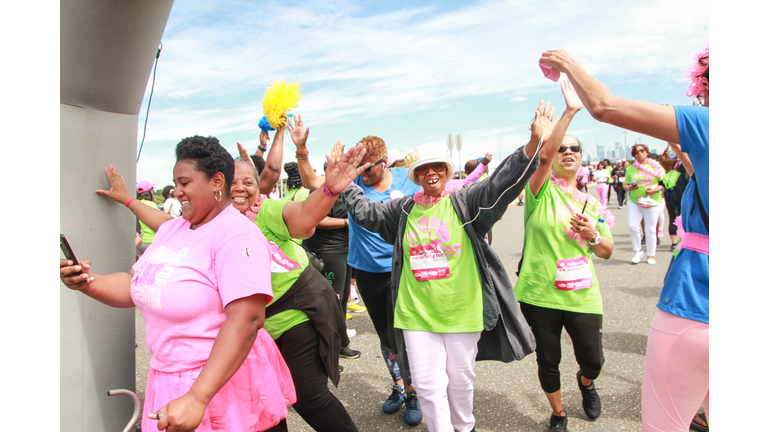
{"x":451,"y":286}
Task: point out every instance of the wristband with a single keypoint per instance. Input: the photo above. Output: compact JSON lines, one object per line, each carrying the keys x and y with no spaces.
{"x":301,"y":157}
{"x":262,"y":148}
{"x":305,"y":153}
{"x":328,"y":191}
{"x":130,"y":200}
{"x":346,"y":223}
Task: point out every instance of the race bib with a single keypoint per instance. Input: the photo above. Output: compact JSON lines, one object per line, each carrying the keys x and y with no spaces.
{"x":279,"y":262}
{"x":428,"y":262}
{"x":573,"y":274}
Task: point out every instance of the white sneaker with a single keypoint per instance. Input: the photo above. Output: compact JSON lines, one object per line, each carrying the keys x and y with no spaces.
{"x":651,"y":261}
{"x":638,"y":256}
{"x":351,"y":332}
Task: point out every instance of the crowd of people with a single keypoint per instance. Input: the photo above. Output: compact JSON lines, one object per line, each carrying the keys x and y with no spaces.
{"x":244,"y":297}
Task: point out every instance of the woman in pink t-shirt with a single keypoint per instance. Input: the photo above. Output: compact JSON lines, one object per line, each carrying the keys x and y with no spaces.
{"x":213,"y":367}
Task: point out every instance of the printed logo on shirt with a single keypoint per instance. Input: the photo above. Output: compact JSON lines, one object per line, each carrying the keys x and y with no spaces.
{"x":430,"y":249}
{"x":153,"y":273}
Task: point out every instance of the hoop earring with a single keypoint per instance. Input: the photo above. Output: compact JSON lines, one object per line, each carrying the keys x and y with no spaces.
{"x":217,"y":198}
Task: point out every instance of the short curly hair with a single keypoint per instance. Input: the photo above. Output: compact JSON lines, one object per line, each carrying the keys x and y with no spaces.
{"x":208,"y":156}
{"x":375,"y":148}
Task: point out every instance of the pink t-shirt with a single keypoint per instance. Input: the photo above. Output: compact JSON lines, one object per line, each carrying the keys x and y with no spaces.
{"x":185,"y":278}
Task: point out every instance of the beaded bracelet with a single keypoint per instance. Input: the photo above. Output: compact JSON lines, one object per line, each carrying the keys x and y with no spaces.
{"x":305,"y":153}
{"x":328,"y":191}
{"x":130,"y":200}
{"x":301,"y":157}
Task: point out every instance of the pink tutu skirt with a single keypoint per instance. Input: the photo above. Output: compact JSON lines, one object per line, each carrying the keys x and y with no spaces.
{"x":255,"y":399}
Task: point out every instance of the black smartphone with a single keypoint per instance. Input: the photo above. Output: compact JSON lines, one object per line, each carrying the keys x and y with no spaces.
{"x":68,"y":254}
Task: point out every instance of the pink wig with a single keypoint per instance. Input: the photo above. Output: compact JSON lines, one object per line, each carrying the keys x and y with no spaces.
{"x":698,"y":82}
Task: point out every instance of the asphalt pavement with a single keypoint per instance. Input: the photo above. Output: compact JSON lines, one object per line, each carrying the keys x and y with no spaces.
{"x":507,"y":395}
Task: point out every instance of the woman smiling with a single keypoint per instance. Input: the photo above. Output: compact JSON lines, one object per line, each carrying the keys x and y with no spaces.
{"x":450,"y":285}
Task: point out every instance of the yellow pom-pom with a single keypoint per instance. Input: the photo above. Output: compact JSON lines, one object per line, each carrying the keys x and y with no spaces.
{"x":410,"y":158}
{"x":278,"y":100}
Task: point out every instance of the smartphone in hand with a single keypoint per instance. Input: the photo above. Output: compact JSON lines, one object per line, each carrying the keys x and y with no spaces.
{"x":68,"y":254}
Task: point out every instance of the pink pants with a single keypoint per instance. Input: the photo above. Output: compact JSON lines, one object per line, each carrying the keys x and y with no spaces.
{"x":676,"y":377}
{"x":602,"y":192}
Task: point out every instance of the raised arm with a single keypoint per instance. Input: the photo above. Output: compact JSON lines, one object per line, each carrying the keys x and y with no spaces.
{"x":299,"y":135}
{"x":118,"y":191}
{"x":271,"y":172}
{"x":555,"y":139}
{"x":302,"y":217}
{"x":643,"y":117}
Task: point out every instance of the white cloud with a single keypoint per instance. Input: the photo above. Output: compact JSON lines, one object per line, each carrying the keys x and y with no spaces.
{"x":217,"y":61}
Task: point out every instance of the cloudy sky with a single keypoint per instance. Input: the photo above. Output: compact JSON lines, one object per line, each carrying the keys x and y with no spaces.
{"x":409,"y":72}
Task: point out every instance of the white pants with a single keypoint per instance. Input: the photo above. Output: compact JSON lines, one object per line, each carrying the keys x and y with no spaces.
{"x":649,"y":216}
{"x":443,"y":373}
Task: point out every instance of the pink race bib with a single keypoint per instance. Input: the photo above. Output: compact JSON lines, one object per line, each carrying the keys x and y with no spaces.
{"x":428,"y":262}
{"x":573,"y":274}
{"x":279,"y":262}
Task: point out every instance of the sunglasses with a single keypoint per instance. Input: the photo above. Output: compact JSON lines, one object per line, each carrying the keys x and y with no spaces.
{"x":373,"y":165}
{"x":436,"y":166}
{"x":574,"y":148}
{"x":641,"y":150}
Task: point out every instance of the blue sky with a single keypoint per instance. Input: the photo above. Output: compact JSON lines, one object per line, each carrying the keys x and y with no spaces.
{"x":409,"y":72}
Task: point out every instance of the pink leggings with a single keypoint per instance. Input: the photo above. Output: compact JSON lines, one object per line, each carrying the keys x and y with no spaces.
{"x":676,"y":377}
{"x":602,"y":192}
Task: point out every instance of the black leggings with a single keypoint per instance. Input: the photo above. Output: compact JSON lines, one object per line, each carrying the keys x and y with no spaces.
{"x":619,"y":193}
{"x":339,"y":275}
{"x":671,"y":219}
{"x":586,"y":334}
{"x":377,"y":294}
{"x":314,"y":401}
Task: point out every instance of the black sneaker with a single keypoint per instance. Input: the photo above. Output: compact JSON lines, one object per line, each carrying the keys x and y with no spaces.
{"x":590,"y":400}
{"x":349,"y":353}
{"x":558,"y":424}
{"x":642,"y":241}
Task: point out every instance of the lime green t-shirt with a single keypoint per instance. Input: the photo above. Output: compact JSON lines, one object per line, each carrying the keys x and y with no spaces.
{"x":670,"y":179}
{"x":270,"y":222}
{"x":149,"y":235}
{"x":299,"y":194}
{"x":644,"y":180}
{"x":448,"y":298}
{"x":551,"y":246}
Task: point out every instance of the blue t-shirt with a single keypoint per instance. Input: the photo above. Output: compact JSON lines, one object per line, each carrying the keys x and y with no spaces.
{"x":367,"y":250}
{"x":686,"y":290}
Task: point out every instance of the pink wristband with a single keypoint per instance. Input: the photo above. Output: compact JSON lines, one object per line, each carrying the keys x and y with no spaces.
{"x":130,"y":200}
{"x":328,"y":191}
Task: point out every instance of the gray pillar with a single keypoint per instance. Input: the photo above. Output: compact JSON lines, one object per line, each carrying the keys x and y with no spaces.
{"x":107,"y":53}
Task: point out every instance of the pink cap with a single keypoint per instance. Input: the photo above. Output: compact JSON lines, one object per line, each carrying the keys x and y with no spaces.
{"x":144,"y":186}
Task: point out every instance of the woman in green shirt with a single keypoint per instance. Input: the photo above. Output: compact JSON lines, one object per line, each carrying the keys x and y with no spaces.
{"x":557,"y":287}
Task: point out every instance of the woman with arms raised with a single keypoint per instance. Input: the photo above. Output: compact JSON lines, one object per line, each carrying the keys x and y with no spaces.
{"x":676,"y":378}
{"x":202,"y":287}
{"x":557,"y":287}
{"x":450,"y":284}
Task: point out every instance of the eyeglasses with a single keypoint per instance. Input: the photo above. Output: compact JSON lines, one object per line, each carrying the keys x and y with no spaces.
{"x":436,"y":166}
{"x":574,"y":148}
{"x":374,"y":164}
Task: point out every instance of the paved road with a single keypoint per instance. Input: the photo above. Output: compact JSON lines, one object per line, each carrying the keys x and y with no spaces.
{"x":507,"y":395}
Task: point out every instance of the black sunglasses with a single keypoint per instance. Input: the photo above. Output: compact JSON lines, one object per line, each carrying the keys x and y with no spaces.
{"x":373,"y":165}
{"x":574,"y":148}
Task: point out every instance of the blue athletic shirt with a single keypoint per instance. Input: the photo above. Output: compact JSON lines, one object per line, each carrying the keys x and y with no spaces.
{"x":367,"y":250}
{"x":686,"y":290}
